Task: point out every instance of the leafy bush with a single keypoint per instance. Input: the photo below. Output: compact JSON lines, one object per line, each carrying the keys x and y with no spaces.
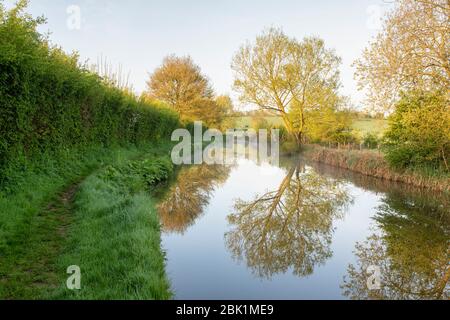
{"x":327,"y":125}
{"x":283,"y":133}
{"x":260,"y":122}
{"x":371,"y":140}
{"x":289,"y":147}
{"x":49,"y":102}
{"x":419,"y":131}
{"x":343,"y":136}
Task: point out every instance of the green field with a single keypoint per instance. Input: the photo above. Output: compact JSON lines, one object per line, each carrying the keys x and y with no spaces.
{"x":245,"y":122}
{"x":376,"y":126}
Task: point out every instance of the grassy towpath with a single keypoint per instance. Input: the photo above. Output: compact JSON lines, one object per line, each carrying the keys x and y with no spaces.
{"x":29,"y":262}
{"x":103,"y":220}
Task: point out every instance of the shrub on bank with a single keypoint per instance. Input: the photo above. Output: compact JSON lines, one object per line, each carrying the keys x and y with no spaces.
{"x":371,"y":140}
{"x":419,"y":132}
{"x":343,"y":137}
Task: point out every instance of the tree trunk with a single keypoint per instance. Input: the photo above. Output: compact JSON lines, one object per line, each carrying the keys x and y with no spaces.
{"x":445,"y":159}
{"x":296,"y":135}
{"x":298,"y":138}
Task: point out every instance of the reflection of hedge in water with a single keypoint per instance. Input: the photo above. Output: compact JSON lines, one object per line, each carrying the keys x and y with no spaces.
{"x":290,"y":227}
{"x":411,"y":247}
{"x":412,"y":251}
{"x":413,"y":263}
{"x":439,"y":201}
{"x":187,"y":198}
{"x":49,"y":103}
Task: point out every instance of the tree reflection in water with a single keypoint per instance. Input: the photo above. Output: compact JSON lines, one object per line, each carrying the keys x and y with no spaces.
{"x":411,"y":249}
{"x":187,"y":198}
{"x":290,"y":227}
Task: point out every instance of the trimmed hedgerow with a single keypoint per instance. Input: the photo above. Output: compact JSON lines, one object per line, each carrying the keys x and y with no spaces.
{"x":50,"y":102}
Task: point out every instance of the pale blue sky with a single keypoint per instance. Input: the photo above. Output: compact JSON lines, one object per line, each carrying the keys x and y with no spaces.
{"x":138,"y":34}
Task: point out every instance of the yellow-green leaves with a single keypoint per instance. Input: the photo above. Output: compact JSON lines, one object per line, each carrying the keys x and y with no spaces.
{"x":287,"y":77}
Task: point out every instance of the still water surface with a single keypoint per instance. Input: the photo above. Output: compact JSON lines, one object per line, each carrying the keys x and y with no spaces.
{"x":302,"y":231}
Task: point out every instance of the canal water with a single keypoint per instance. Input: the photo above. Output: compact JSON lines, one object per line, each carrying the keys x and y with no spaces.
{"x":301,"y":230}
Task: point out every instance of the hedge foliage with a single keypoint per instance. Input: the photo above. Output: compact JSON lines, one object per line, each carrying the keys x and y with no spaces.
{"x":419,"y":131}
{"x":49,"y":101}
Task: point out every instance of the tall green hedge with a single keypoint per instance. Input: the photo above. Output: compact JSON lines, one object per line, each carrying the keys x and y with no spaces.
{"x":48,"y":101}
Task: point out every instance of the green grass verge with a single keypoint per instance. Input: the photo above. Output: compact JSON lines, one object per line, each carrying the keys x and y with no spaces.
{"x":105,"y":224}
{"x":116,"y":235}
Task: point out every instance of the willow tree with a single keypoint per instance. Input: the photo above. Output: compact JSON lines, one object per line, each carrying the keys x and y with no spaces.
{"x":410,"y":53}
{"x":287,"y":77}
